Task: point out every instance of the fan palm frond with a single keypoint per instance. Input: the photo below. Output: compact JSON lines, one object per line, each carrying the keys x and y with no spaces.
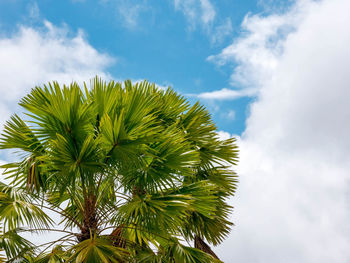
{"x":131,"y":171}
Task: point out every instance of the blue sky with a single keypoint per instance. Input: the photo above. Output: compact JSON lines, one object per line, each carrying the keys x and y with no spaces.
{"x":153,"y":40}
{"x":274,"y":74}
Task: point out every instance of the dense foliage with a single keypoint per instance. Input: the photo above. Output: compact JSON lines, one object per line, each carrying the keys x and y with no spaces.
{"x":131,"y":173}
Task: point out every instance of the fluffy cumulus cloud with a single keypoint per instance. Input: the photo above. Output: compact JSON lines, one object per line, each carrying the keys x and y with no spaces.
{"x":33,"y":56}
{"x":292,"y":203}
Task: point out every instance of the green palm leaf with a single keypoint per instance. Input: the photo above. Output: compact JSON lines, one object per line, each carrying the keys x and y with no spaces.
{"x":130,"y":170}
{"x":97,"y":250}
{"x":17,"y":209}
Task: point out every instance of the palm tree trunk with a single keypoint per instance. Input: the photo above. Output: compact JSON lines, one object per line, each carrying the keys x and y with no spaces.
{"x":200,"y":244}
{"x":90,"y":218}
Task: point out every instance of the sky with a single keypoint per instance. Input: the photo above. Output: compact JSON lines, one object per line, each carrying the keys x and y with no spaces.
{"x":274,"y":74}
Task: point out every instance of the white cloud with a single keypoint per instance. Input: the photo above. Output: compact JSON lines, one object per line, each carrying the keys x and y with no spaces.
{"x":220,"y":32}
{"x":33,"y":10}
{"x":292,"y":203}
{"x":197,"y":12}
{"x":163,"y":86}
{"x":33,"y":56}
{"x":224,"y":135}
{"x":208,"y":11}
{"x":226,"y":94}
{"x":227,"y":115}
{"x":129,"y":12}
{"x":260,"y":45}
{"x":202,"y":14}
{"x":230,"y":115}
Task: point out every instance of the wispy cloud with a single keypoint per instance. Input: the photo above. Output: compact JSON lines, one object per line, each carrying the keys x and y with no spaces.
{"x":196,"y":12}
{"x":202,"y":14}
{"x":163,"y":86}
{"x":208,"y":12}
{"x":221,"y":31}
{"x":226,"y":94}
{"x":231,"y":115}
{"x":33,"y":10}
{"x":130,"y":12}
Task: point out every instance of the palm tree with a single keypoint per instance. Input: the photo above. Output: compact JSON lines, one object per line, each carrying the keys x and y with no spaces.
{"x":132,"y":172}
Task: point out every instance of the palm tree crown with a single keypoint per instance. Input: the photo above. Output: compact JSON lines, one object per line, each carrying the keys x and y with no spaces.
{"x":132,"y":172}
